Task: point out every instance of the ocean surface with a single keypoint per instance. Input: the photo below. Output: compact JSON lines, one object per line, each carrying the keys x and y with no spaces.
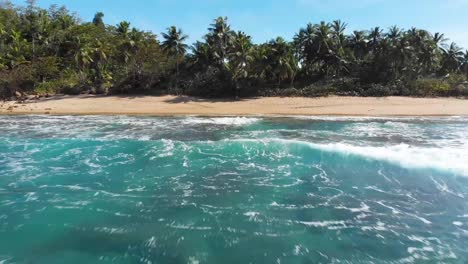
{"x":125,"y":189}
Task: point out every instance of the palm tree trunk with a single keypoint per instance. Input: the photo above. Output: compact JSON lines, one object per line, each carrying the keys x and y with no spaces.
{"x":177,"y":74}
{"x":177,"y":70}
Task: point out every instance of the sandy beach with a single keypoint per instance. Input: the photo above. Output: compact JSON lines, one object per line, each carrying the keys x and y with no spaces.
{"x":182,"y":105}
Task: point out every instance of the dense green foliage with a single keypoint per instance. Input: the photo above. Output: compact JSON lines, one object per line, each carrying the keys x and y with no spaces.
{"x":52,"y":51}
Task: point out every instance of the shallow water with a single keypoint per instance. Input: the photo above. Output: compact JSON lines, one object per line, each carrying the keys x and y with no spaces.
{"x":233,"y":190}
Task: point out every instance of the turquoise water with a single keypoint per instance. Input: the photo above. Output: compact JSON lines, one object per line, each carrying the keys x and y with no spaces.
{"x":233,"y":190}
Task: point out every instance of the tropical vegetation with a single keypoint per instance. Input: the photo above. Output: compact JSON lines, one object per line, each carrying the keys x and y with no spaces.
{"x":50,"y":51}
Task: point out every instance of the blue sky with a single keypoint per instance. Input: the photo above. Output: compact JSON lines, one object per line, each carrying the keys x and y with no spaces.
{"x":266,"y":19}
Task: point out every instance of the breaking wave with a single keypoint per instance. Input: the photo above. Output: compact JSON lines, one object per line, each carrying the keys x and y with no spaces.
{"x":446,"y":158}
{"x":233,"y":121}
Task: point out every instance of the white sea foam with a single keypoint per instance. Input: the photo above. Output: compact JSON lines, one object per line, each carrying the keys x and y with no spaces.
{"x":323,"y":223}
{"x":363,"y":209}
{"x":379,"y":118}
{"x":4,"y":259}
{"x":152,"y":242}
{"x":451,"y":159}
{"x":411,"y":250}
{"x":193,"y":260}
{"x":448,"y":159}
{"x":111,"y":230}
{"x":232,"y":121}
{"x":252,"y":215}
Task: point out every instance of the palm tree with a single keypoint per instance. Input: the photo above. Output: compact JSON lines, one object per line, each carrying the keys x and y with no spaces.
{"x":126,"y":44}
{"x":424,"y":51}
{"x":219,"y":39}
{"x":174,"y":45}
{"x":99,"y":54}
{"x":439,"y":39}
{"x":284,"y":63}
{"x":358,"y":42}
{"x":465,"y":63}
{"x":240,"y":58}
{"x":375,"y":36}
{"x":240,"y":54}
{"x":17,"y":46}
{"x":394,"y":33}
{"x":66,"y":21}
{"x":123,"y":29}
{"x":337,"y":57}
{"x":323,"y":39}
{"x":339,"y":28}
{"x":83,"y":57}
{"x":453,"y":57}
{"x":37,"y":23}
{"x":138,"y":44}
{"x":260,"y":65}
{"x":396,"y":48}
{"x":201,"y":55}
{"x":324,"y":47}
{"x":304,"y":43}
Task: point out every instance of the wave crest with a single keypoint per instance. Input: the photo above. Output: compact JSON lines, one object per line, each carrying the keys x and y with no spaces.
{"x":231,"y":121}
{"x":449,"y":159}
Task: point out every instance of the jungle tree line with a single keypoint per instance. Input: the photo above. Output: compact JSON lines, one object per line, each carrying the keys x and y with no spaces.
{"x":53,"y":51}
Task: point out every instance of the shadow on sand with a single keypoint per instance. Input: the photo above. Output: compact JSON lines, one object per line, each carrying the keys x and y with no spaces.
{"x":182,"y":99}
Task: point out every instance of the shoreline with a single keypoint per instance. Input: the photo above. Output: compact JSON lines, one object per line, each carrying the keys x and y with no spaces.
{"x":319,"y":116}
{"x":261,"y":106}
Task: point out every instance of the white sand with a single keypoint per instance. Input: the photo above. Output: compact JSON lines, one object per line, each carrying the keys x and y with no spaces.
{"x":174,"y":105}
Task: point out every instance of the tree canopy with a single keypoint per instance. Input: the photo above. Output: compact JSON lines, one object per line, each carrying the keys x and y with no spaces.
{"x":54,"y":51}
